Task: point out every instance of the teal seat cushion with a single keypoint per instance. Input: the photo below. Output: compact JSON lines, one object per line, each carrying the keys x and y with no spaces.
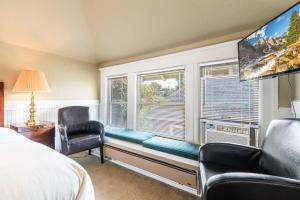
{"x":114,"y":130}
{"x":175,"y":147}
{"x":127,"y":134}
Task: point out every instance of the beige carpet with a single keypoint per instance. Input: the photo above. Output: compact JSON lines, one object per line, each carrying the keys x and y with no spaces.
{"x":112,"y":182}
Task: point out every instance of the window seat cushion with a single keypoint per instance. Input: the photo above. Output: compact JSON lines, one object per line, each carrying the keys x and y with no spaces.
{"x":127,"y":134}
{"x":175,"y":147}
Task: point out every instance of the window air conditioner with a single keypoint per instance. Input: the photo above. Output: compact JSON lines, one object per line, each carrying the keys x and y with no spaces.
{"x":230,"y":133}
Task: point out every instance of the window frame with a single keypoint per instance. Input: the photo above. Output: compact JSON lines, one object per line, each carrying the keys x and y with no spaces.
{"x":138,"y":90}
{"x":262,"y":121}
{"x":110,"y":102}
{"x":190,"y":61}
{"x":231,"y":62}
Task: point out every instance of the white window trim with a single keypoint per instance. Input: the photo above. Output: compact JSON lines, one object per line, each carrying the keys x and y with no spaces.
{"x":164,"y":70}
{"x":190,"y":60}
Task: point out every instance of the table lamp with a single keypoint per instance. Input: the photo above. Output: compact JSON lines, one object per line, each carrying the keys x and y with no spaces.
{"x":31,"y":81}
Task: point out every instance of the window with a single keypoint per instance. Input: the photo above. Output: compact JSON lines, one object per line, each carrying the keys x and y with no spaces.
{"x":117,"y":102}
{"x":225,"y":98}
{"x":160,"y":108}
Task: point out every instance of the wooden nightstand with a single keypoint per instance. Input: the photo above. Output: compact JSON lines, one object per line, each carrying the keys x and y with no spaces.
{"x":44,"y":134}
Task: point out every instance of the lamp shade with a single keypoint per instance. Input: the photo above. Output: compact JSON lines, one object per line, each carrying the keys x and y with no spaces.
{"x":31,"y":81}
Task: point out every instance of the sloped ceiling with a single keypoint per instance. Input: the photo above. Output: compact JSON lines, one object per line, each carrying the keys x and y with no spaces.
{"x":100,"y":31}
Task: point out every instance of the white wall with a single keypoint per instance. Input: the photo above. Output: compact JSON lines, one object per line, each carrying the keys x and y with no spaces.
{"x":270,"y":105}
{"x":191,"y":61}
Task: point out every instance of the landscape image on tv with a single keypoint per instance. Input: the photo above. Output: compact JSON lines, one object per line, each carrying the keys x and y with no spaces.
{"x":273,"y":49}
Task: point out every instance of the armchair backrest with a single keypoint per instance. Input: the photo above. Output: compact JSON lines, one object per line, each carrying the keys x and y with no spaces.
{"x":72,"y":117}
{"x":281,"y":149}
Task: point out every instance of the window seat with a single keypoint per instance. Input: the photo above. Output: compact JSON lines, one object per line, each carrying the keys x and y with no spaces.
{"x":149,"y":140}
{"x":153,"y":154}
{"x":127,"y":134}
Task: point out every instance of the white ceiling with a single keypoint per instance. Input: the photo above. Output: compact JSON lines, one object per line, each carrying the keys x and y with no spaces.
{"x":99,"y":31}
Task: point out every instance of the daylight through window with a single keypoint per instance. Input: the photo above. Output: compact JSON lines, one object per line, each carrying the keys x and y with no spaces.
{"x":161,"y":108}
{"x":117,"y":102}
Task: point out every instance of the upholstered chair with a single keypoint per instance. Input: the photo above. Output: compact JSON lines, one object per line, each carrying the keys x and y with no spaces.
{"x":272,"y":172}
{"x":77,"y":132}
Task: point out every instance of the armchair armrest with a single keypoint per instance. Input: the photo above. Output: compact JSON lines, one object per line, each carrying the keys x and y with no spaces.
{"x":251,"y":186}
{"x":92,"y":127}
{"x":63,"y":132}
{"x":63,"y":138}
{"x":95,"y":127}
{"x":232,"y":155}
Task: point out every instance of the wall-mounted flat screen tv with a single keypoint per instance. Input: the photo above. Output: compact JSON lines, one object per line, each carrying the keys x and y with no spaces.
{"x":272,"y":50}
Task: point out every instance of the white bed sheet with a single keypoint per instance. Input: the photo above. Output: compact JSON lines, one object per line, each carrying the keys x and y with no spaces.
{"x":32,"y":171}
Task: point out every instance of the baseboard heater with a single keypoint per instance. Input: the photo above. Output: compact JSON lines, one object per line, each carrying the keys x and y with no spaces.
{"x":183,"y":176}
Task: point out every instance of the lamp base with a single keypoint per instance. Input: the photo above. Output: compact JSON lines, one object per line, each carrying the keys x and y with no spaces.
{"x":32,"y":121}
{"x":32,"y":124}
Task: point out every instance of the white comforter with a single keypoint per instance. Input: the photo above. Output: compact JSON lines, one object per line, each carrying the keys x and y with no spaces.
{"x":31,"y":171}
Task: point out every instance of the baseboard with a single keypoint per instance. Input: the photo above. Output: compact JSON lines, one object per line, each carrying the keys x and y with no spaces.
{"x":156,"y":177}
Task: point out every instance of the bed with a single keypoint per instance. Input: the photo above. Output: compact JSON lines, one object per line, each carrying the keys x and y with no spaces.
{"x":32,"y":171}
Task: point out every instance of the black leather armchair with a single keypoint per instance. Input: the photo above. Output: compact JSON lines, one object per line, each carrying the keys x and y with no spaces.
{"x":77,"y":132}
{"x":236,"y":172}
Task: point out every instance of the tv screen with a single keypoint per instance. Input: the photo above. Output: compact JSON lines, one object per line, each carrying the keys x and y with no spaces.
{"x":272,"y":50}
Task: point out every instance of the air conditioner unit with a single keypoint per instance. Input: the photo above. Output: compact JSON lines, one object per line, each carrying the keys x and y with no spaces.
{"x":230,"y":132}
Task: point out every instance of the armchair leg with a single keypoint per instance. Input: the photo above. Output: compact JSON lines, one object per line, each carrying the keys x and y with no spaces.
{"x":90,"y":151}
{"x":102,"y":154}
